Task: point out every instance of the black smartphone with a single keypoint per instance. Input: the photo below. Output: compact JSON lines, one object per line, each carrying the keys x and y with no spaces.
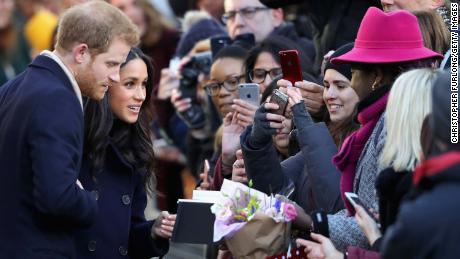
{"x":320,"y":223}
{"x":219,"y":42}
{"x":290,"y":64}
{"x":281,"y":99}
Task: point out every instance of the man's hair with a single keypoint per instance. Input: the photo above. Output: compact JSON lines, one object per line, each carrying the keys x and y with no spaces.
{"x":97,"y":24}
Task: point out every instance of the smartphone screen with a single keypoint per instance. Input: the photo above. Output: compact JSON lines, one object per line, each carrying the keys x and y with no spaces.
{"x":290,"y":64}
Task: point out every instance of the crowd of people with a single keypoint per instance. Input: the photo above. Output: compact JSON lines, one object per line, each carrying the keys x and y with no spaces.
{"x":107,"y":105}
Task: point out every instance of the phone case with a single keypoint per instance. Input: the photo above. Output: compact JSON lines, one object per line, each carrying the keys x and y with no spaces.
{"x":290,"y":64}
{"x":250,"y":93}
{"x":281,"y":99}
{"x":354,"y":199}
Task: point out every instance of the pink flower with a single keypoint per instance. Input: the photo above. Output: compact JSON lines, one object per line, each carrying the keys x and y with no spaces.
{"x":289,"y":212}
{"x":223,"y":210}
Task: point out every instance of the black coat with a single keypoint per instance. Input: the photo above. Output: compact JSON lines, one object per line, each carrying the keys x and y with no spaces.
{"x":428,"y":226}
{"x":41,"y":142}
{"x":120,"y":230}
{"x":391,"y":188}
{"x":335,"y":23}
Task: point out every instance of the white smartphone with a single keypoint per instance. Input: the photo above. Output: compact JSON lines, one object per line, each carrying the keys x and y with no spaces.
{"x":354,"y":200}
{"x":250,"y":93}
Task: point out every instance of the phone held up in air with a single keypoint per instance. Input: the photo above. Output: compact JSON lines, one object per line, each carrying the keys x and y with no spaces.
{"x":250,"y":93}
{"x":281,"y":99}
{"x":290,"y":65}
{"x":354,"y":200}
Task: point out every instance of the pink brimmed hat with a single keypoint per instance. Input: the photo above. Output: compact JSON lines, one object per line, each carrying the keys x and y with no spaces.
{"x":387,"y":38}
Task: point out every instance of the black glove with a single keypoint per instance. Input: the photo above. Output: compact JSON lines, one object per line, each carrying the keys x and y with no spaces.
{"x":261,"y":132}
{"x":193,"y":117}
{"x":301,"y":116}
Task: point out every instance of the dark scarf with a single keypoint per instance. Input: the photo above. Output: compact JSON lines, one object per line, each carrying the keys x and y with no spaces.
{"x":347,"y":158}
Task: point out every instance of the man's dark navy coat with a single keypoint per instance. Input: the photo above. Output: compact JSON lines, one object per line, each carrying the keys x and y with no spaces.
{"x":41,"y":141}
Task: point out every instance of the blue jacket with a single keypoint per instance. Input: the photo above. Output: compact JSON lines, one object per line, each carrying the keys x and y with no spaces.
{"x":41,"y":140}
{"x":120,"y":230}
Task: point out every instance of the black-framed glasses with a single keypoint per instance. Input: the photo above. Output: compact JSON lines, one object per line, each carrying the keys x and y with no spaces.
{"x":230,"y":84}
{"x":258,"y":75}
{"x":246,"y":13}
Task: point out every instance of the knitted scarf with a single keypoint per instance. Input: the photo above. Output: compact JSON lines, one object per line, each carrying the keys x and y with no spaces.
{"x":347,"y":158}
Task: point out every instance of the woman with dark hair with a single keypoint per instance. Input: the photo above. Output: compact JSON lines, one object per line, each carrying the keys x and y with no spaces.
{"x":225,"y":75}
{"x":118,"y":167}
{"x":263,"y":64}
{"x":318,"y":143}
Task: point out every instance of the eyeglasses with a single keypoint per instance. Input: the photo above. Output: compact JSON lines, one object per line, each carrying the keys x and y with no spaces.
{"x":230,"y":84}
{"x":246,"y":13}
{"x":258,"y":75}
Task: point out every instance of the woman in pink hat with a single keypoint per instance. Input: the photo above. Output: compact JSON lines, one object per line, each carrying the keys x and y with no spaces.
{"x":387,"y":44}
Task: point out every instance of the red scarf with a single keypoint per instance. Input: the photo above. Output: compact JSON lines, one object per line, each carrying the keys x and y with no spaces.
{"x":435,"y":165}
{"x":347,"y":158}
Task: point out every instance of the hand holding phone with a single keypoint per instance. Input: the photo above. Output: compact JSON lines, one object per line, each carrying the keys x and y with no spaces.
{"x":250,"y":93}
{"x":281,"y":99}
{"x":290,"y":64}
{"x":354,"y":200}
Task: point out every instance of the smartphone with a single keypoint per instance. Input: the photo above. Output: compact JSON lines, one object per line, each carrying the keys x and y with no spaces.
{"x":320,"y":223}
{"x":250,"y":93}
{"x":290,"y":65}
{"x":281,"y":99}
{"x":354,"y":200}
{"x":218,"y":43}
{"x":174,"y":64}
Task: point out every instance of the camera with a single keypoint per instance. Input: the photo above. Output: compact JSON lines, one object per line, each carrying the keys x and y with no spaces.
{"x":199,"y":64}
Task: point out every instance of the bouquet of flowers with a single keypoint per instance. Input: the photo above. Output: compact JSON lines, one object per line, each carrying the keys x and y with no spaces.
{"x":253,"y":224}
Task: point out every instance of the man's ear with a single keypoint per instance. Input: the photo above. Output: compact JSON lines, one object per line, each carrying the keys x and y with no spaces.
{"x":278,"y":16}
{"x":437,"y":3}
{"x":80,"y":53}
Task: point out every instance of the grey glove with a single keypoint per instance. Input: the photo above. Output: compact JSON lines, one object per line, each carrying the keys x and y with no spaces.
{"x":261,"y":132}
{"x":301,"y":116}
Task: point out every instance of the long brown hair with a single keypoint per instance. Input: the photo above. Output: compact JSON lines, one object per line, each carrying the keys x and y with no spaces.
{"x":435,"y":34}
{"x":154,"y":21}
{"x":133,"y":140}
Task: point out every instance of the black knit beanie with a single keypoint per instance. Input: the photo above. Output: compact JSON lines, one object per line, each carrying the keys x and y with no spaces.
{"x":344,"y":69}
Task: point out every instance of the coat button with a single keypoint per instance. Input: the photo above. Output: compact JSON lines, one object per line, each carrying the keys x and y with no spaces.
{"x":95,"y":194}
{"x":92,"y":246}
{"x":126,"y":199}
{"x":122,"y":250}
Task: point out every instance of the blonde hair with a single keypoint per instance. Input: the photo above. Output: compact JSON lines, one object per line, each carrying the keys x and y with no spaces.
{"x":408,"y":105}
{"x":97,"y":24}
